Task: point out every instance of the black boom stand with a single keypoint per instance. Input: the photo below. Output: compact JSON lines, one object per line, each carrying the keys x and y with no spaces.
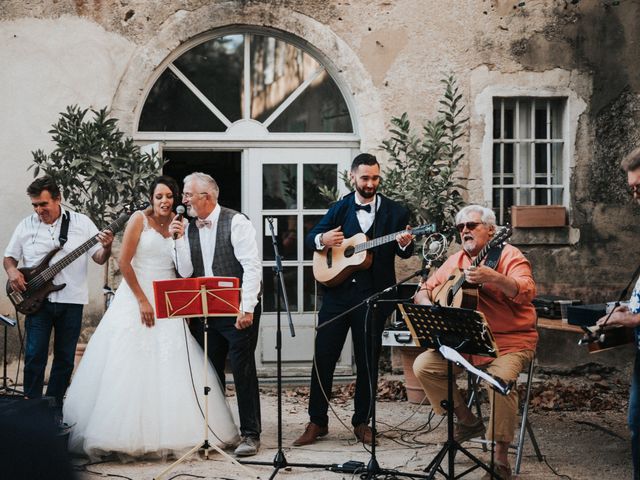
{"x":280,"y":461}
{"x":453,"y":331}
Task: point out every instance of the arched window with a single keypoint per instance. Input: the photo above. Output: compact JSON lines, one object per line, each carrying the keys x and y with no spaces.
{"x":245,"y":76}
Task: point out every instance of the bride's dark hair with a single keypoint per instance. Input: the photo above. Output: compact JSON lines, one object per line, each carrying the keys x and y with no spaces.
{"x":173,"y":186}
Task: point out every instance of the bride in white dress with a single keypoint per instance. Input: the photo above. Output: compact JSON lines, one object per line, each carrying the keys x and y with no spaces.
{"x":132,"y":394}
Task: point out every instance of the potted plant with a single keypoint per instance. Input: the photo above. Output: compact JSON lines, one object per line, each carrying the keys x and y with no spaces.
{"x":423,"y":174}
{"x":97,"y":168}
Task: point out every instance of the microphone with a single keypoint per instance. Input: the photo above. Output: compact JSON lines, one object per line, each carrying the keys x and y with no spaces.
{"x":434,"y":247}
{"x":180,"y":211}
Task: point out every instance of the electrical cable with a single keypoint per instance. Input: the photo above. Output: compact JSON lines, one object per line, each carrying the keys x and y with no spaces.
{"x":193,"y":385}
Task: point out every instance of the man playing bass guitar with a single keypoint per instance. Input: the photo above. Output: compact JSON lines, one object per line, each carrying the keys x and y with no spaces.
{"x":35,"y":236}
{"x":363,"y":211}
{"x":505,"y":299}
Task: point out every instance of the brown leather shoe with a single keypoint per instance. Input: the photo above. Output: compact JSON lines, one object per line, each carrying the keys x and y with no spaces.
{"x":311,"y":434}
{"x":364,"y":433}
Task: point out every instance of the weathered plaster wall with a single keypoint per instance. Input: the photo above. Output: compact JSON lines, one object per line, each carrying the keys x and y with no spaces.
{"x":389,"y":56}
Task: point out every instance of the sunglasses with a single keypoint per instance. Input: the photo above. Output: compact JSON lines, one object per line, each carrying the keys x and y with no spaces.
{"x":469,"y":225}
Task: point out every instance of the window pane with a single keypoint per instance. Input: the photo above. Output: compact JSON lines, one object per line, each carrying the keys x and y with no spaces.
{"x":320,"y":108}
{"x":541,"y":157}
{"x":541,"y":119}
{"x":270,"y":283}
{"x":556,"y":118}
{"x":509,"y":118}
{"x":286,"y":237}
{"x":524,"y":119}
{"x":277,"y":69}
{"x":309,"y":289}
{"x":318,"y":176}
{"x":309,"y":221}
{"x":172,"y":107}
{"x":541,"y":196}
{"x":525,"y":163}
{"x":215,"y":67}
{"x":497,"y":166}
{"x":279,"y":186}
{"x":496,"y":118}
{"x":508,"y":158}
{"x":556,"y":163}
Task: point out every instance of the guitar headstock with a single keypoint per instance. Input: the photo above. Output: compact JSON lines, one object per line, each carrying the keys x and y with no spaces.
{"x":502,"y":235}
{"x":424,"y":229}
{"x":132,"y":207}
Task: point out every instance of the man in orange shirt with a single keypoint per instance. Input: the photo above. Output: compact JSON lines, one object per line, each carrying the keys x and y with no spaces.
{"x":505,"y":299}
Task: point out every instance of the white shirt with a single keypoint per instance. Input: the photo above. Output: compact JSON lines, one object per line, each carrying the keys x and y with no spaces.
{"x":365,"y":219}
{"x":33,"y":239}
{"x":245,"y":249}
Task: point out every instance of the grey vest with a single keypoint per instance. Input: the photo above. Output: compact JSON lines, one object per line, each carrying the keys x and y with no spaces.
{"x":225,"y":263}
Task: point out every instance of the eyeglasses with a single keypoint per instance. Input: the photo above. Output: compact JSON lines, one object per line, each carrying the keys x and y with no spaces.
{"x":189,"y":195}
{"x":469,"y":225}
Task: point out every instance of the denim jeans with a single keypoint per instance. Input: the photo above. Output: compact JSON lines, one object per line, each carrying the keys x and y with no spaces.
{"x":634,"y":416}
{"x":65,"y":319}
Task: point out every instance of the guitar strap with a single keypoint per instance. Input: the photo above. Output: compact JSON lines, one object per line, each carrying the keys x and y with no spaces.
{"x":493,"y":257}
{"x":64,"y":229}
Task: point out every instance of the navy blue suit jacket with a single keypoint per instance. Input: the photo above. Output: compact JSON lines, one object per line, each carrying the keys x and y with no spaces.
{"x":390,"y":217}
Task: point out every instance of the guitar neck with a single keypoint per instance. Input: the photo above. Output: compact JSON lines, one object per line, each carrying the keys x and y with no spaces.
{"x":376,"y":242}
{"x":483,"y":253}
{"x":65,"y":261}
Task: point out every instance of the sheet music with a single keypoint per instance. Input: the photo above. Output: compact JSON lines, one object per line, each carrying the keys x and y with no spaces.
{"x":8,"y":320}
{"x":453,"y":356}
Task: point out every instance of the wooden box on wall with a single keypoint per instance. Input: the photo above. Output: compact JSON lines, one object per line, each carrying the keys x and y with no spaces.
{"x":538,"y":216}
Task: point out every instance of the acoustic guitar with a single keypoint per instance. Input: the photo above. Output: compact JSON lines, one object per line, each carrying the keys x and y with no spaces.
{"x":333,"y":265}
{"x":456,"y":292}
{"x":39,"y":279}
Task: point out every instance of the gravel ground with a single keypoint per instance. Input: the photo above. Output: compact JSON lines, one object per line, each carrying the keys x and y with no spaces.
{"x":578,"y":419}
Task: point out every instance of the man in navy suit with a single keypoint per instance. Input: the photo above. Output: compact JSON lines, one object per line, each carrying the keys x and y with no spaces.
{"x":362,"y":211}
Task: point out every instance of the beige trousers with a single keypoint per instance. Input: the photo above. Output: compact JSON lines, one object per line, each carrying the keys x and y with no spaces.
{"x":431,"y":370}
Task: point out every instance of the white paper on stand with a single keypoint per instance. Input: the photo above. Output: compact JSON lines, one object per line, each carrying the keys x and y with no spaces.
{"x":453,"y":356}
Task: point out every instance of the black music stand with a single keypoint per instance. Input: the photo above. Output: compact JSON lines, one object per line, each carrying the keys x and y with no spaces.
{"x":4,"y":388}
{"x":465,"y":331}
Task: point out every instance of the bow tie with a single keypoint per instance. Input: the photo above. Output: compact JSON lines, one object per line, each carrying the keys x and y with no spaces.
{"x":203,"y":223}
{"x":366,"y":208}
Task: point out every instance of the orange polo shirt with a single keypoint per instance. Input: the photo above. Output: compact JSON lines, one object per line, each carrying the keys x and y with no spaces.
{"x":512,"y":320}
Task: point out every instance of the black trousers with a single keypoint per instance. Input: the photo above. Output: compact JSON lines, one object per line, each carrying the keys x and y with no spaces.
{"x":328,"y":345}
{"x":224,"y":339}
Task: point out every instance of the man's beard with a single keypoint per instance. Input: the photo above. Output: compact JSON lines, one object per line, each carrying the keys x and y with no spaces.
{"x":364,"y":193}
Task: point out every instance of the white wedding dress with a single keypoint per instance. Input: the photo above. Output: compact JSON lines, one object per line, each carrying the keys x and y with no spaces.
{"x":132,"y":393}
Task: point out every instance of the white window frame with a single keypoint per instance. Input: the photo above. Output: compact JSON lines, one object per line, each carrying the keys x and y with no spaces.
{"x":517,"y":186}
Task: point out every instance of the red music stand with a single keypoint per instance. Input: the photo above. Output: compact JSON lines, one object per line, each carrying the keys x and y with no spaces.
{"x":201,"y":297}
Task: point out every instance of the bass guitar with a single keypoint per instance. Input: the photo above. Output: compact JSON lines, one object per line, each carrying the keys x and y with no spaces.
{"x":39,"y":279}
{"x":456,"y":292}
{"x":333,"y":265}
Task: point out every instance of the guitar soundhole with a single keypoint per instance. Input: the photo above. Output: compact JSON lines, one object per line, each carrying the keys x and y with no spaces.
{"x":449,"y":297}
{"x":349,"y":251}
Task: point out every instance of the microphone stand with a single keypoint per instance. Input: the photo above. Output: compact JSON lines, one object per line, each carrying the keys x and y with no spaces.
{"x":5,"y":388}
{"x":373,"y":469}
{"x":280,"y":461}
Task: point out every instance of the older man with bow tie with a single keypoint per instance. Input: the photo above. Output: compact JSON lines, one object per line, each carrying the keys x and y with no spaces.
{"x":223,"y":243}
